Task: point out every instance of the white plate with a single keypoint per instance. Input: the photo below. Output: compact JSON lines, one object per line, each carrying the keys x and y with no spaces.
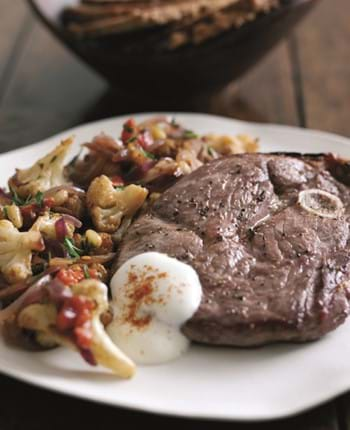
{"x":216,"y":383}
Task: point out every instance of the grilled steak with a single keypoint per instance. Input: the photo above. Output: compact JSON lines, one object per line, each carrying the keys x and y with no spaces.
{"x":270,"y":270}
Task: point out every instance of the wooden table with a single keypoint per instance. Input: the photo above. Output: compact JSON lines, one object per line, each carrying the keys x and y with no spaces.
{"x":305,"y":81}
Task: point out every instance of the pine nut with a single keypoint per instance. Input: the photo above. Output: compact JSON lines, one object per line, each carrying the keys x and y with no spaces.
{"x":93,"y":238}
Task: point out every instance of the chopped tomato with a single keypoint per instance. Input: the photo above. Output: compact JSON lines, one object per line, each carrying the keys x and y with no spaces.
{"x":84,"y":312}
{"x":75,"y":315}
{"x":48,"y":202}
{"x":31,"y":211}
{"x":83,"y":335}
{"x":117,"y":181}
{"x":129,"y":130}
{"x":94,"y":274}
{"x":75,"y":274}
{"x":71,"y":276}
{"x":66,"y":318}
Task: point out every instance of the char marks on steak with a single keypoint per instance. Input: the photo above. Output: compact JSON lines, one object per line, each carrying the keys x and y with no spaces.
{"x":270,"y":270}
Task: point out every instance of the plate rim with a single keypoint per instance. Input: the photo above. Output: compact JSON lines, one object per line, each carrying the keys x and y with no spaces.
{"x":168,"y":412}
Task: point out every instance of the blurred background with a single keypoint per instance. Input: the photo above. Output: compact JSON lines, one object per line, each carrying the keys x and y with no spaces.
{"x":303,"y":80}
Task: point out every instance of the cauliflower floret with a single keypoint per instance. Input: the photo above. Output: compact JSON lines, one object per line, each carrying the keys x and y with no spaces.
{"x":4,"y":201}
{"x":108,"y":205}
{"x":42,"y":318}
{"x":227,"y":145}
{"x":16,"y":251}
{"x":46,"y":173}
{"x":45,"y":224}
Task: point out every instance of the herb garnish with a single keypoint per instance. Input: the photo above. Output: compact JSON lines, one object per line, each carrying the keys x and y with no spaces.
{"x":86,"y":272}
{"x":19,"y":201}
{"x":39,"y":198}
{"x":132,"y":139}
{"x":148,"y":154}
{"x":174,"y":123}
{"x":38,"y":268}
{"x":127,"y":128}
{"x":73,"y":251}
{"x":211,"y":151}
{"x":189,"y":134}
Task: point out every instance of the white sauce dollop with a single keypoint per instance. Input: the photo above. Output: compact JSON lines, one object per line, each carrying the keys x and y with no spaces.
{"x":153,"y":296}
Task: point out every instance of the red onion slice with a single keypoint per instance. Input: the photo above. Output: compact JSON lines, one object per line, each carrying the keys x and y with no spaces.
{"x":69,"y":188}
{"x":58,"y":292}
{"x":56,"y":248}
{"x":105,"y":144}
{"x":121,"y":156}
{"x":34,"y":294}
{"x":155,"y":145}
{"x":20,"y":287}
{"x":88,"y":356}
{"x":72,"y":220}
{"x":156,"y":120}
{"x":146,"y":166}
{"x":61,"y":229}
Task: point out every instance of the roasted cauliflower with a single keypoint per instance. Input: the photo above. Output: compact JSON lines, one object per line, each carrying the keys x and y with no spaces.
{"x":16,"y":251}
{"x":46,"y":173}
{"x":46,"y":225}
{"x":43,"y":319}
{"x":109,"y":205}
{"x":227,"y":145}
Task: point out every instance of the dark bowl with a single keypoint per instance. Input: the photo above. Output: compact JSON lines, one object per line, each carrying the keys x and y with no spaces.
{"x":189,"y":70}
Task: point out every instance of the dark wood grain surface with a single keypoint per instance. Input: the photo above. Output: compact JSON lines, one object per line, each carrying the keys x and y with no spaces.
{"x":305,"y":81}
